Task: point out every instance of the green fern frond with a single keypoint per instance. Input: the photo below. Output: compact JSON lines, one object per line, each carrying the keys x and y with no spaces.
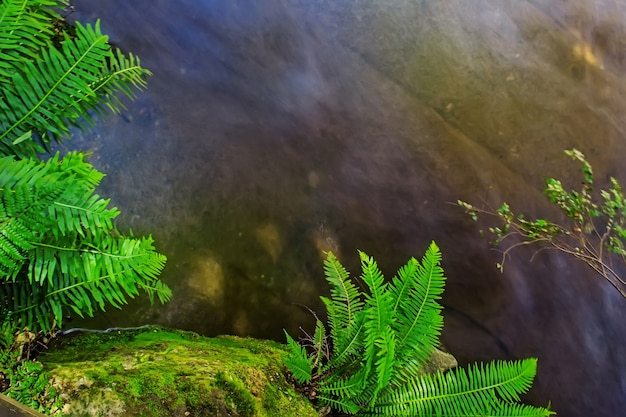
{"x":518,"y":410}
{"x":378,"y":313}
{"x":124,"y":72}
{"x":342,"y":386}
{"x":347,"y":344}
{"x":75,"y":164}
{"x":404,"y":281}
{"x":298,"y":361}
{"x":385,"y":363}
{"x":7,"y":335}
{"x":481,"y":390}
{"x":88,"y":278}
{"x":342,"y":404}
{"x":59,"y":247}
{"x":418,"y":320}
{"x":22,"y":210}
{"x":60,"y":89}
{"x":86,"y":213}
{"x":62,"y":246}
{"x":345,"y":311}
{"x":25,"y":28}
{"x":345,"y":296}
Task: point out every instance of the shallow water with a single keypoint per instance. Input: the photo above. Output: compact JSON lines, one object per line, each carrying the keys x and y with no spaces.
{"x":275,"y":130}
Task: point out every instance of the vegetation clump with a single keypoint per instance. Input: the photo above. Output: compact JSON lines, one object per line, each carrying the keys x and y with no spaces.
{"x":60,"y":251}
{"x":372,"y":362}
{"x":593,"y":229}
{"x":160,"y":372}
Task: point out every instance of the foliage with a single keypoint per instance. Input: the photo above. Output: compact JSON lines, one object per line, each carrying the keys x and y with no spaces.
{"x":380,"y":341}
{"x":47,"y":89}
{"x":594,"y":229}
{"x":29,"y":383}
{"x":21,"y":379}
{"x":59,"y":247}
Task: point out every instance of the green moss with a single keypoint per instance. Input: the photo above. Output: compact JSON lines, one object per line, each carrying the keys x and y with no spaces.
{"x":156,"y":372}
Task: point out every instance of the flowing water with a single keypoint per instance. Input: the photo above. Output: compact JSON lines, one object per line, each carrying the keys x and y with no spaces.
{"x":275,"y":130}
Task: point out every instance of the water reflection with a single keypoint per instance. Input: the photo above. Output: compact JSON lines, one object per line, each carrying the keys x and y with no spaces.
{"x":275,"y":130}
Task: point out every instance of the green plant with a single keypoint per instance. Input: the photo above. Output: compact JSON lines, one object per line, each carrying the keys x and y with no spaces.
{"x":29,"y":383}
{"x":22,"y":379}
{"x":51,"y":81}
{"x":380,"y":341}
{"x":59,"y":247}
{"x":593,"y":229}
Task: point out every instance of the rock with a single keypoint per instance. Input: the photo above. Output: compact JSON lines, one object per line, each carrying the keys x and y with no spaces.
{"x":158,"y":372}
{"x":440,"y":361}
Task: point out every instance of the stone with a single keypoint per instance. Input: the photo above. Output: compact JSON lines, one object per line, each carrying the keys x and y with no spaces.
{"x":440,"y":361}
{"x":159,"y":372}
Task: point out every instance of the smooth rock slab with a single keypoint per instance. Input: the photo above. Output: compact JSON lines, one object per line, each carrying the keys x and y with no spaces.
{"x":158,"y":372}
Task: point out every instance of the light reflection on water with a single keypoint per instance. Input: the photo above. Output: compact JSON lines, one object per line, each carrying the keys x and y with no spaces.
{"x":275,"y":130}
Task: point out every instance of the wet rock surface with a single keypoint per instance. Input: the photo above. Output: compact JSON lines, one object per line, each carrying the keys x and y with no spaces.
{"x":274,"y":130}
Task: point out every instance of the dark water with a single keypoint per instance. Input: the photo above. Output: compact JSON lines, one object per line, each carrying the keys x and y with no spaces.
{"x":274,"y":130}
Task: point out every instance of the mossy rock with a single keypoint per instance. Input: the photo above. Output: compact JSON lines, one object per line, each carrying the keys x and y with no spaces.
{"x":158,"y":372}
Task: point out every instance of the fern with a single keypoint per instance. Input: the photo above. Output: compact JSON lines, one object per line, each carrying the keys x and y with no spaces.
{"x":345,"y":312}
{"x":25,"y":28}
{"x":45,"y":90}
{"x":381,"y":341}
{"x":482,"y":390}
{"x":29,"y":383}
{"x":62,"y":246}
{"x":59,"y":247}
{"x":416,"y":289}
{"x":298,"y":361}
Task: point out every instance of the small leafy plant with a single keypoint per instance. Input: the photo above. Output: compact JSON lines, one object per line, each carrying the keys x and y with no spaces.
{"x":23,"y":379}
{"x":372,"y":361}
{"x":593,"y":230}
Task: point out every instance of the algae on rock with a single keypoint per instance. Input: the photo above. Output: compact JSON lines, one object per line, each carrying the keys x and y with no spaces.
{"x":158,"y":372}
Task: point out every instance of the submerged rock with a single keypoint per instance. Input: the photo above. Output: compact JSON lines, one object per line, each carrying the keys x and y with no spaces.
{"x":158,"y":372}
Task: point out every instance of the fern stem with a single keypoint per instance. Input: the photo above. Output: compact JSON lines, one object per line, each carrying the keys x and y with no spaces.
{"x":95,"y":252}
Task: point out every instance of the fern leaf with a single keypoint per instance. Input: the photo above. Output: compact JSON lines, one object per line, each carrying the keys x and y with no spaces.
{"x":385,"y":363}
{"x":298,"y":361}
{"x":518,"y":410}
{"x":89,"y":277}
{"x":479,"y":390}
{"x":404,"y":281}
{"x":344,"y":310}
{"x":58,"y":237}
{"x":344,"y":405}
{"x":347,"y":344}
{"x":418,"y":323}
{"x":342,"y":389}
{"x":25,"y":28}
{"x":378,"y":311}
{"x":22,"y":211}
{"x":87,"y":213}
{"x":58,"y":90}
